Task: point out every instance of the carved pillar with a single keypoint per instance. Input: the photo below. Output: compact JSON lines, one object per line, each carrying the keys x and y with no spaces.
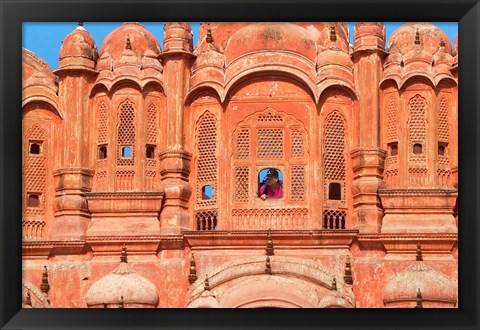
{"x":76,"y":76}
{"x":175,"y":161}
{"x":368,"y":159}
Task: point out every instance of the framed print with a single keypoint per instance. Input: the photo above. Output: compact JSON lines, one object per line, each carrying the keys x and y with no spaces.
{"x":319,"y":157}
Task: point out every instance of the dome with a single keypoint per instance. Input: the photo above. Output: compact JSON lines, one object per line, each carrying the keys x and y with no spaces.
{"x":433,"y":285}
{"x":270,"y":36}
{"x":430,"y":36}
{"x":141,"y":40}
{"x":36,"y":71}
{"x":79,"y":43}
{"x":123,"y":285}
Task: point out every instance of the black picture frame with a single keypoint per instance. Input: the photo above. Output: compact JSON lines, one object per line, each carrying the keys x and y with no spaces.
{"x":13,"y":13}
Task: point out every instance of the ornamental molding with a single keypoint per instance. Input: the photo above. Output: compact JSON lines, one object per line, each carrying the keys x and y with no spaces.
{"x":417,"y":192}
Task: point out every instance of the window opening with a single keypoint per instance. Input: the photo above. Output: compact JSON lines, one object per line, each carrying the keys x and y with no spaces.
{"x":207,"y":192}
{"x":126,"y":152}
{"x":334,"y":191}
{"x":102,"y":152}
{"x":417,"y":148}
{"x":442,"y":149}
{"x":33,"y":200}
{"x":393,"y":147}
{"x":150,"y":151}
{"x":270,"y":183}
{"x":35,"y":148}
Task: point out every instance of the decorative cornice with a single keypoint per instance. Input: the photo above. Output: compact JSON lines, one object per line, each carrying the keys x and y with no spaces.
{"x":74,"y":170}
{"x":136,"y":194}
{"x":417,"y":192}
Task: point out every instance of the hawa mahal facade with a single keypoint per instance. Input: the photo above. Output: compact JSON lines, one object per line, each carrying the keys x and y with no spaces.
{"x":142,"y":165}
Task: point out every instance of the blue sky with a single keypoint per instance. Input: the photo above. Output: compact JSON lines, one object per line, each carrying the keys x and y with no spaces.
{"x":44,"y":39}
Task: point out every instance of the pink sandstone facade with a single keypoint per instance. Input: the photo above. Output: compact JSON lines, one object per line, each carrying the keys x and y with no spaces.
{"x":141,"y":168}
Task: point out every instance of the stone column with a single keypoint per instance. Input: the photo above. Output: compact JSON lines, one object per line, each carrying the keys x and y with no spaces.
{"x":76,"y":76}
{"x":175,"y":161}
{"x":367,"y":158}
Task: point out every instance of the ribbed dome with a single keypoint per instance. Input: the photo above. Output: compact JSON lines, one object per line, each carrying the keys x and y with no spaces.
{"x":270,"y":36}
{"x":141,"y":40}
{"x":334,"y":56}
{"x":433,"y":285}
{"x":36,"y":71}
{"x":79,"y":43}
{"x":430,"y":35}
{"x":122,"y":283}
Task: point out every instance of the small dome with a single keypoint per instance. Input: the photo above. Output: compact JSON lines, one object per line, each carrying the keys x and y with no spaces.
{"x":430,"y":35}
{"x":79,"y":43}
{"x":334,"y":56}
{"x":270,"y":36}
{"x":433,"y":285}
{"x":36,"y":71}
{"x":123,"y":285}
{"x":141,"y":40}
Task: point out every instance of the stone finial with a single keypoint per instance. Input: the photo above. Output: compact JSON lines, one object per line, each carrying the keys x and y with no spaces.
{"x":333,"y":34}
{"x":122,"y":303}
{"x":417,"y":38}
{"x":419,"y":299}
{"x":334,"y":284}
{"x":128,"y":44}
{"x":28,"y":300}
{"x":193,"y":270}
{"x":269,"y":249}
{"x":268,"y":266}
{"x":123,"y":256}
{"x":419,"y":256}
{"x":209,"y":38}
{"x":206,"y":284}
{"x":45,"y":286}
{"x":348,"y":272}
{"x":80,"y":23}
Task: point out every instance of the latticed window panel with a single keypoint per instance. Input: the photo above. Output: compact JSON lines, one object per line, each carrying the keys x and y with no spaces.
{"x":272,"y":218}
{"x":417,"y":126}
{"x":207,"y":164}
{"x":242,"y":174}
{"x":391,"y":176}
{"x":334,"y":149}
{"x":270,"y":143}
{"x":243,"y":144}
{"x":152,"y":120}
{"x":100,"y":182}
{"x":443,"y":175}
{"x":206,"y":220}
{"x":443,"y":160}
{"x":35,"y":169}
{"x":102,"y":124}
{"x":150,"y":180}
{"x":392,"y":131}
{"x":297,"y":143}
{"x":33,"y":229}
{"x":297,"y":179}
{"x":270,"y":116}
{"x":391,"y":161}
{"x":334,"y":219}
{"x":443,"y":130}
{"x":417,"y":175}
{"x":125,"y":180}
{"x":126,"y":133}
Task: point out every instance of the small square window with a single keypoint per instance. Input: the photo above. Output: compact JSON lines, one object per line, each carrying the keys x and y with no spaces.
{"x":33,"y":200}
{"x":35,"y":148}
{"x":442,"y":149}
{"x":335,"y":191}
{"x":126,"y":152}
{"x":102,"y":152}
{"x":270,"y":184}
{"x":417,"y":149}
{"x":207,"y":192}
{"x":150,"y":151}
{"x":393,"y":149}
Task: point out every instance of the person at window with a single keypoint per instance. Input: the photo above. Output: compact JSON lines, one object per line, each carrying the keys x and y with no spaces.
{"x":272,"y":186}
